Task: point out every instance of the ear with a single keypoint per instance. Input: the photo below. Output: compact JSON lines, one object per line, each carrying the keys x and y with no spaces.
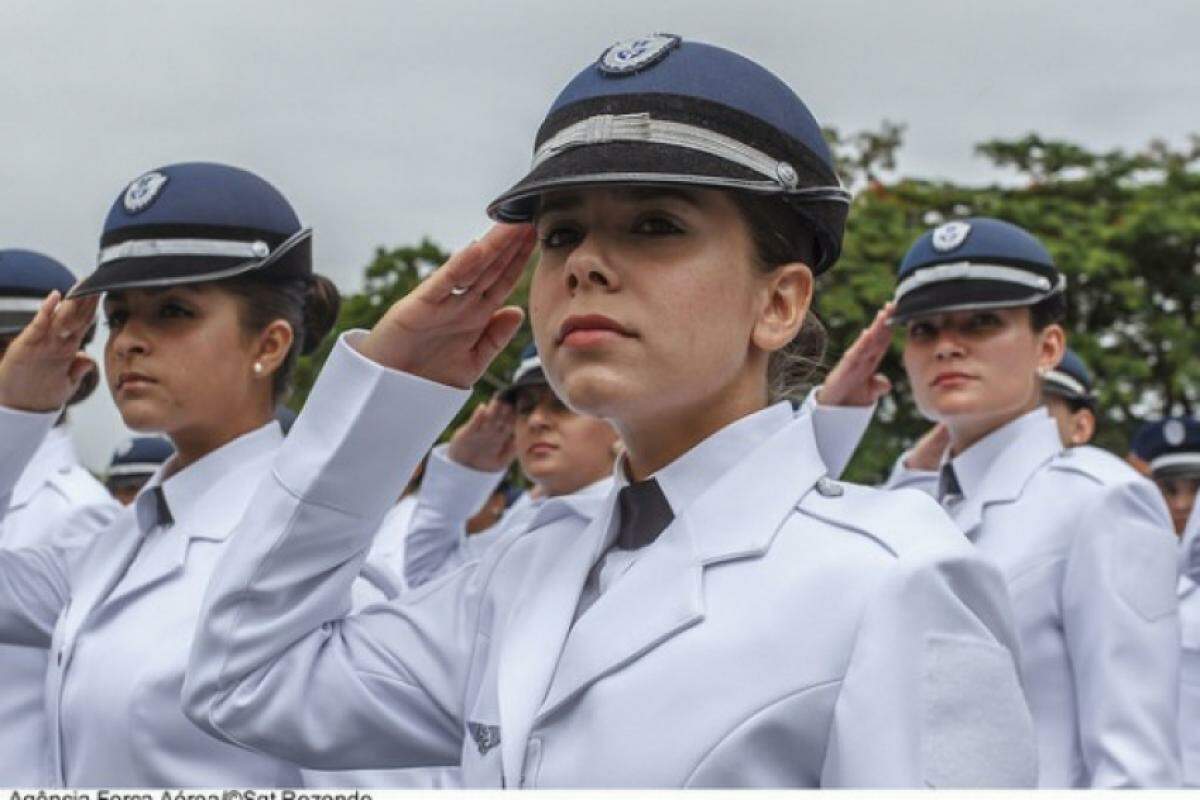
{"x":1052,"y":346}
{"x":272,"y":348}
{"x":1084,"y":424}
{"x":789,"y":292}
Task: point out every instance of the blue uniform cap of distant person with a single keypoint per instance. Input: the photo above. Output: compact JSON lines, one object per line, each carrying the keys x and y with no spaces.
{"x":974,"y":263}
{"x":1070,"y":380}
{"x":26,"y":278}
{"x":1172,"y":447}
{"x":529,"y":372}
{"x":139,"y":457}
{"x":661,"y":110}
{"x":194,"y":222}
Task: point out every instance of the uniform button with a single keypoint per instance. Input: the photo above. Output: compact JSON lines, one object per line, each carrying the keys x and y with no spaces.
{"x":827,"y":488}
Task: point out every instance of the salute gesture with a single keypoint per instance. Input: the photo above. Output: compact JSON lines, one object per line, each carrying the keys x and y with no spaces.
{"x":854,"y":381}
{"x":44,"y":366}
{"x":485,"y":441}
{"x":450,"y":327}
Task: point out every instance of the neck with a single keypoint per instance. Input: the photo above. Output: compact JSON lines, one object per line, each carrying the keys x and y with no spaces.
{"x":653,"y":442}
{"x":581,"y":483}
{"x":967,"y":430}
{"x":193,"y":444}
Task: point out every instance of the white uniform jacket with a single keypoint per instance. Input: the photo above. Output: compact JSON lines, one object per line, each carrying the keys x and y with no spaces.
{"x":1086,"y":548}
{"x":774,"y":635}
{"x":117,"y":615}
{"x":1189,"y":668}
{"x":53,"y":487}
{"x":451,"y":493}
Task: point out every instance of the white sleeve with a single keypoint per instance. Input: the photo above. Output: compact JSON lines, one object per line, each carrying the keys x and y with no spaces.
{"x":276,"y":665}
{"x":35,"y":582}
{"x":932,"y":695}
{"x":450,"y":494}
{"x":838,"y":430}
{"x":1121,"y":623}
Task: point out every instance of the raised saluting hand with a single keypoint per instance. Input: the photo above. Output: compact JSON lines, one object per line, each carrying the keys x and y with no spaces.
{"x":485,"y":441}
{"x":44,"y":366}
{"x":854,"y":380}
{"x":451,"y":326}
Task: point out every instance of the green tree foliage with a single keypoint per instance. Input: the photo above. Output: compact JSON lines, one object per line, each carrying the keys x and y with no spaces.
{"x":1124,"y":227}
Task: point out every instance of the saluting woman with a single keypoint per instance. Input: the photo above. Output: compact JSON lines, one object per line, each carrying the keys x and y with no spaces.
{"x":1083,"y":541}
{"x":209,"y":297}
{"x":730,"y":617}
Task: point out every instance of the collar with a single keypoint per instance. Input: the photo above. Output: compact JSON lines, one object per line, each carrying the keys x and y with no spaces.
{"x":1024,"y":443}
{"x":689,"y":476}
{"x":185,"y":491}
{"x":55,"y":454}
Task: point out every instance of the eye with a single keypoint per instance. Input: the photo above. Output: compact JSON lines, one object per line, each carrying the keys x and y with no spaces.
{"x":173,"y":309}
{"x":656,"y":224}
{"x":983,"y":322}
{"x":115,"y":318}
{"x":525,"y":404}
{"x":922,"y":331}
{"x":560,"y":235}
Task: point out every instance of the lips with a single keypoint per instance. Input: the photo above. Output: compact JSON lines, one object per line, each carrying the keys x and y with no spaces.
{"x":951,"y":377}
{"x":583,"y":327}
{"x":540,"y":449}
{"x":133,"y":379}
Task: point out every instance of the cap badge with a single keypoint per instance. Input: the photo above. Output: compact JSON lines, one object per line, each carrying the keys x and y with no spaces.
{"x":142,"y":192}
{"x":950,"y":235}
{"x":1174,"y":432}
{"x":632,"y":55}
{"x":125,"y":449}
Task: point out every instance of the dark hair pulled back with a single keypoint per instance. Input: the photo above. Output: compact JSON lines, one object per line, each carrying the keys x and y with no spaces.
{"x":309,"y":305}
{"x":780,"y":235}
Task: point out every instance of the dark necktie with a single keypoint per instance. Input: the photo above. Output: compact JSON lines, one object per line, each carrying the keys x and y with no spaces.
{"x":161,"y":509}
{"x":645,"y":513}
{"x":949,"y":489}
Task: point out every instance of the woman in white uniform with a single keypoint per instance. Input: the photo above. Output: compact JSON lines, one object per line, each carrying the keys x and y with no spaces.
{"x":1083,"y":541}
{"x":53,"y":487}
{"x":731,"y":617}
{"x":210,"y":298}
{"x":1189,"y":615}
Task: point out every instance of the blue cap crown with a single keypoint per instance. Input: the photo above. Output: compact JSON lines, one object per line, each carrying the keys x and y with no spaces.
{"x":1070,"y":379}
{"x":974,"y":263}
{"x":141,"y":455}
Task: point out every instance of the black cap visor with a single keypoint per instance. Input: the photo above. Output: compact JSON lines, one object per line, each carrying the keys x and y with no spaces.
{"x":290,"y":260}
{"x":534,"y":377}
{"x":965,"y":295}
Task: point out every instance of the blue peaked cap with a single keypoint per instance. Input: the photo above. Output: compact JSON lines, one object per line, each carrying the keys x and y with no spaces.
{"x":978,"y":262}
{"x":196,"y":222}
{"x":26,"y":278}
{"x":659,"y":110}
{"x":1070,"y":379}
{"x":141,"y":455}
{"x":1172,"y":446}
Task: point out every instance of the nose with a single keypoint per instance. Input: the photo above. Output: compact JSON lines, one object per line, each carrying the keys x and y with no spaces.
{"x":129,"y":340}
{"x":588,"y":268}
{"x":948,"y":345}
{"x":539,"y":418}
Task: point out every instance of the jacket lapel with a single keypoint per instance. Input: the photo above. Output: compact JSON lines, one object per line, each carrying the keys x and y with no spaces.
{"x":540,"y":617}
{"x":1008,"y":474}
{"x":661,"y":595}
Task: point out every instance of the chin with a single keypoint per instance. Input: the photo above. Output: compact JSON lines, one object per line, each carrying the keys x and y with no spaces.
{"x":597,"y":390}
{"x":141,"y":416}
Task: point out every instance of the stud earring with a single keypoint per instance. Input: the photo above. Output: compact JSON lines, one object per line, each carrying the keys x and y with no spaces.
{"x":258,"y":368}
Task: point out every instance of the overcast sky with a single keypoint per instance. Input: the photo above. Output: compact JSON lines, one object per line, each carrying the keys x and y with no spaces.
{"x":384,"y":121}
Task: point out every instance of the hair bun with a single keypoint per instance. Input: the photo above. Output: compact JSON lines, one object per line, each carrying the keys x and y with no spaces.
{"x":321,"y":304}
